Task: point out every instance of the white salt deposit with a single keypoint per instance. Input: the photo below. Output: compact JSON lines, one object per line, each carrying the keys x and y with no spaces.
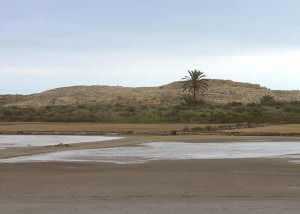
{"x":8,"y":141}
{"x":171,"y":151}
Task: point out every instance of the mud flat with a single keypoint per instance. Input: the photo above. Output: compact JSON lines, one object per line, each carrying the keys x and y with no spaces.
{"x":177,"y":186}
{"x":236,"y":185}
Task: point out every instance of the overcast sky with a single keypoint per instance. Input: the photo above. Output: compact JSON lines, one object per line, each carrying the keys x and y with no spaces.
{"x":53,"y":43}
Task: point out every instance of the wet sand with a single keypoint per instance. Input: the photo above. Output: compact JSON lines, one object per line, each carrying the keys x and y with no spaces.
{"x":190,"y":186}
{"x":179,"y":186}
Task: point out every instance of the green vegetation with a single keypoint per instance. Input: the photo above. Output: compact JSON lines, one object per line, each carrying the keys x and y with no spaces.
{"x":119,"y":113}
{"x":267,"y":100}
{"x":191,"y":102}
{"x":195,"y":83}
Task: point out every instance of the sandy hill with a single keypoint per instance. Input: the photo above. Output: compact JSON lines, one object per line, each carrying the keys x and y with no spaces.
{"x":220,"y":91}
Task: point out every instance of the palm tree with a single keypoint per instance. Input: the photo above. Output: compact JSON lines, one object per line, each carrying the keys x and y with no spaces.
{"x":195,"y":83}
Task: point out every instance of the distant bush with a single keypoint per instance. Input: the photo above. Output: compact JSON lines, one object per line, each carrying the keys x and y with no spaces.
{"x":251,"y":104}
{"x":191,"y":102}
{"x":149,"y":117}
{"x":186,"y":129}
{"x":267,"y":100}
{"x":293,"y":109}
{"x":82,"y":106}
{"x":235,"y":104}
{"x":130,"y":108}
{"x":295,"y":102}
{"x":7,"y":113}
{"x":118,"y":105}
{"x":107,"y":113}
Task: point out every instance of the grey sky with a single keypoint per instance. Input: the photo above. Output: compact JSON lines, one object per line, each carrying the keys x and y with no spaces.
{"x":53,"y":43}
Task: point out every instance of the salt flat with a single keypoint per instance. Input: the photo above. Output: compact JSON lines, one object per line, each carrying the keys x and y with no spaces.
{"x":9,"y":141}
{"x":171,"y":151}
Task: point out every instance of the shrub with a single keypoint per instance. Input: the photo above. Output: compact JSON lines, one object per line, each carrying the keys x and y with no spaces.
{"x":130,"y":108}
{"x":7,"y":113}
{"x":149,"y":117}
{"x":81,"y":106}
{"x":191,"y":102}
{"x":251,"y":104}
{"x":186,"y":129}
{"x":295,"y":102}
{"x":235,"y":104}
{"x":267,"y":100}
{"x":199,"y":129}
{"x":293,"y":109}
{"x":118,"y":105}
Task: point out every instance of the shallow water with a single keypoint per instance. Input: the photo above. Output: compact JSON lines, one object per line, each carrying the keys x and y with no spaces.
{"x":8,"y":141}
{"x":171,"y":151}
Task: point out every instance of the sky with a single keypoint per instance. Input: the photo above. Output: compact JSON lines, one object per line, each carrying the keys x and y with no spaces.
{"x":46,"y":44}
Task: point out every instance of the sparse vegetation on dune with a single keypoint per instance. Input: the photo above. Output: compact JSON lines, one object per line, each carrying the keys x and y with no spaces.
{"x":179,"y":102}
{"x":218,"y":92}
{"x":233,"y":112}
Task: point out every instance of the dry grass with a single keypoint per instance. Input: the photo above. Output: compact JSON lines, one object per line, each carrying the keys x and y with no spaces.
{"x":118,"y":127}
{"x":107,"y":127}
{"x":286,"y":128}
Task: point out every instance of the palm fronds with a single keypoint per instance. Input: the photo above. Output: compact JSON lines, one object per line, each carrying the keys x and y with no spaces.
{"x":195,"y":82}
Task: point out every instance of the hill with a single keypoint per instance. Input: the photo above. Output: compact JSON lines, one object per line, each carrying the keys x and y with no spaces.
{"x":219,"y":91}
